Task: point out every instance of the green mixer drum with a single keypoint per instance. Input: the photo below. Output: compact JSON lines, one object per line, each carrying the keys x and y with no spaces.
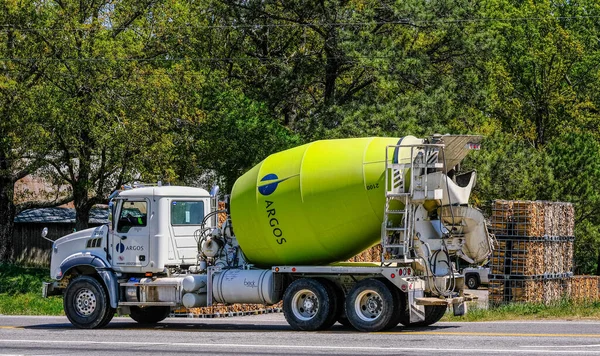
{"x":314,"y":204}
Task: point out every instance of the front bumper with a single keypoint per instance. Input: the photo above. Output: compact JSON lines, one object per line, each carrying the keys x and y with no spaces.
{"x":50,"y":288}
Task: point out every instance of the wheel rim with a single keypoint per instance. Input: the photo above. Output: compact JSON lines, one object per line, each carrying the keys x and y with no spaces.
{"x":85,"y":302}
{"x":471,"y":283}
{"x":368,"y":305}
{"x":305,"y":304}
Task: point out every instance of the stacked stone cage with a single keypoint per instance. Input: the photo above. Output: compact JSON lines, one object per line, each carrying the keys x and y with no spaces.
{"x":532,"y":259}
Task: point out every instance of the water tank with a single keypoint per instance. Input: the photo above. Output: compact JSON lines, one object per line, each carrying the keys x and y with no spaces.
{"x":314,"y":204}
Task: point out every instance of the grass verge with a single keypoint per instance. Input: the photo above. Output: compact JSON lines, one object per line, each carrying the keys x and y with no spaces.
{"x":564,"y":309}
{"x":21,"y":292}
{"x":30,"y":304}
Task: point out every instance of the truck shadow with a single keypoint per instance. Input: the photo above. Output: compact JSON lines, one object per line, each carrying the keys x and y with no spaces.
{"x":200,"y":326}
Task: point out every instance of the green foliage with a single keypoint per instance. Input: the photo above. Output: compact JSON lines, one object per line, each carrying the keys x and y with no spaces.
{"x":15,"y":279}
{"x":230,"y":134}
{"x":510,"y":168}
{"x":21,"y":292}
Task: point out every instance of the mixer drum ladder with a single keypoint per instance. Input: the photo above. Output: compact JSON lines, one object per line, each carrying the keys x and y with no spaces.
{"x":405,"y":188}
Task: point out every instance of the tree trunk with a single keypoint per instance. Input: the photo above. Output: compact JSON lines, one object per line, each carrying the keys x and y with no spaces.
{"x":82,"y":205}
{"x":82,"y":218}
{"x":598,"y":264}
{"x":7,"y":220}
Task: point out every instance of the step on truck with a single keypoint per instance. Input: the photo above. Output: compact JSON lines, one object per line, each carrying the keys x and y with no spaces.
{"x":290,"y":223}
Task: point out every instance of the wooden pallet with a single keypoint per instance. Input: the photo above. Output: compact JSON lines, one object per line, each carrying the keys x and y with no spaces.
{"x":503,"y":291}
{"x":229,"y":310}
{"x":585,"y":288}
{"x":372,"y":254}
{"x":530,"y":258}
{"x":532,"y":218}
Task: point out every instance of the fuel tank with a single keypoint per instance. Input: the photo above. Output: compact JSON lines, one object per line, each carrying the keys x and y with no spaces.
{"x":314,"y":204}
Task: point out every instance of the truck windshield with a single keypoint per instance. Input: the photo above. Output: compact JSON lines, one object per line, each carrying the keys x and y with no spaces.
{"x":187,"y":212}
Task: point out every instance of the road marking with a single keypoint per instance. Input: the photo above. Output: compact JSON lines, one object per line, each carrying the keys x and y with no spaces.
{"x":472,"y":333}
{"x":561,"y":346}
{"x":10,"y":327}
{"x":302,"y":347}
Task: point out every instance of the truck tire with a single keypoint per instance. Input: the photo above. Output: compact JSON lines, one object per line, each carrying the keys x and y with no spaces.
{"x":472,"y":281}
{"x":149,"y":315}
{"x":86,"y":303}
{"x":433,"y":314}
{"x":343,"y":319}
{"x":399,"y":305}
{"x":309,"y":305}
{"x":337,"y":301}
{"x":370,"y":305}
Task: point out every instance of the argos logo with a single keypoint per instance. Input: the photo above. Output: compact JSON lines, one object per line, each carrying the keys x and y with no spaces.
{"x":121,"y":248}
{"x":271,"y":181}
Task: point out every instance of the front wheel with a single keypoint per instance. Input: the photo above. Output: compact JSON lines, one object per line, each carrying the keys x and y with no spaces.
{"x":149,"y":315}
{"x":86,"y":303}
{"x":370,"y":305}
{"x":472,"y":281}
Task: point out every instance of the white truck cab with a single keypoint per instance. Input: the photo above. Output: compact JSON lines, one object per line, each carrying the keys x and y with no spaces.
{"x":150,"y":229}
{"x":168,"y":216}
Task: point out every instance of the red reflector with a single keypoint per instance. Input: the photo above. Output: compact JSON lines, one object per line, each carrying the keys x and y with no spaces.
{"x":409,"y":271}
{"x":393,"y":275}
{"x":293,"y":269}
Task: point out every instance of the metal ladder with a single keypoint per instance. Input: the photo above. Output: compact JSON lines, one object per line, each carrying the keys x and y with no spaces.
{"x":398,"y":225}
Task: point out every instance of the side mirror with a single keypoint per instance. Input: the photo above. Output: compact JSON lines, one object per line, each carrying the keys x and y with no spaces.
{"x":45,"y":233}
{"x":214,"y":191}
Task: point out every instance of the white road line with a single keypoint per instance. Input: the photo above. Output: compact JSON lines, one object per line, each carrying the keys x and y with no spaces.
{"x":283,"y":346}
{"x":560,"y":346}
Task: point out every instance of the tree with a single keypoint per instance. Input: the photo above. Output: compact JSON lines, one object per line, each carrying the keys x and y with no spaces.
{"x":576,"y":166}
{"x":105,"y":108}
{"x":536,"y":76}
{"x":22,"y":140}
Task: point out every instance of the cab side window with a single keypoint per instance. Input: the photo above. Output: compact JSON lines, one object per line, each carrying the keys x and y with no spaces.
{"x":187,"y":212}
{"x":133,"y":214}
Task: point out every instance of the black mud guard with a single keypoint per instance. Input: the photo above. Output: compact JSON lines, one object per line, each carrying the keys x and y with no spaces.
{"x":104,"y":271}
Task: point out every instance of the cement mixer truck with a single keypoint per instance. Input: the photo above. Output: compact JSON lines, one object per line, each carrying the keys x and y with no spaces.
{"x":292,"y":222}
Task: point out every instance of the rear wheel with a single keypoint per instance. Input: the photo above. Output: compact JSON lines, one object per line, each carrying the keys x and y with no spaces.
{"x":149,"y":315}
{"x":309,"y":305}
{"x":343,"y":319}
{"x":86,"y":303}
{"x":370,"y":305}
{"x":337,"y":301}
{"x":399,"y":305}
{"x":433,"y":314}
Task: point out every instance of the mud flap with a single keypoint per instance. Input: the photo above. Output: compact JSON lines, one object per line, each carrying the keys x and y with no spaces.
{"x":417,"y":312}
{"x":459,"y":308}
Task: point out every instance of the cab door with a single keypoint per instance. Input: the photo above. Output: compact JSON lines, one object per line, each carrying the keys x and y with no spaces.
{"x":131,"y":237}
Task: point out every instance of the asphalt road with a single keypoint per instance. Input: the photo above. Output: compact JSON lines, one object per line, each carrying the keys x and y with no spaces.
{"x":269,"y":334}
